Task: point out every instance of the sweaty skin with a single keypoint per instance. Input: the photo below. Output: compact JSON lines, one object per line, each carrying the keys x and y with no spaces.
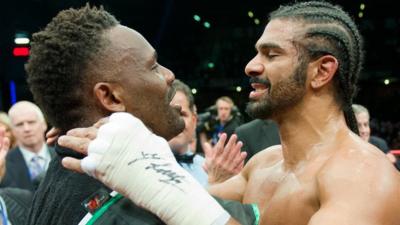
{"x":322,"y":173}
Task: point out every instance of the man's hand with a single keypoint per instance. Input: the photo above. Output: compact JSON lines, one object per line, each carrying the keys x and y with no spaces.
{"x":128,"y":158}
{"x":223,"y":161}
{"x":78,"y":139}
{"x":4,"y":147}
{"x":52,"y":135}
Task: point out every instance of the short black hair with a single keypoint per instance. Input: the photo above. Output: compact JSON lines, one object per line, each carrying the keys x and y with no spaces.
{"x":332,"y":32}
{"x":184,"y":88}
{"x":60,"y":55}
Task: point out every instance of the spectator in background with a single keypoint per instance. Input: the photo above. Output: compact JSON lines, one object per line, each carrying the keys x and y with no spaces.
{"x":215,"y":167}
{"x":181,"y":144}
{"x":14,"y":202}
{"x":362,"y":116}
{"x":30,"y":159}
{"x":6,"y":124}
{"x":226,"y":121}
{"x":258,"y":135}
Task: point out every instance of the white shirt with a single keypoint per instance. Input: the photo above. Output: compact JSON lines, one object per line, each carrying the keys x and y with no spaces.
{"x":43,"y":153}
{"x":196,"y":169}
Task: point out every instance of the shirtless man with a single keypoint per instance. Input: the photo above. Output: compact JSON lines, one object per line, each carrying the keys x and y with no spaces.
{"x":304,"y":74}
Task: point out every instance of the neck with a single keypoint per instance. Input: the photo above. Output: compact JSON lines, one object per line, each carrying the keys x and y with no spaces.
{"x":310,"y":129}
{"x":33,"y":148}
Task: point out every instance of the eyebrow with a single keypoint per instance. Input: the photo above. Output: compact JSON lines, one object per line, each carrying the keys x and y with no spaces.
{"x":265,"y":46}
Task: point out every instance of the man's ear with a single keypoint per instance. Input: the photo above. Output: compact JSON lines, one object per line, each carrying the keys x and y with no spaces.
{"x":324,"y":69}
{"x":109,"y":96}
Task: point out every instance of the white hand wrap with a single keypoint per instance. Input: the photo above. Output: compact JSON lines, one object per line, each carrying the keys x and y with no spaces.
{"x":130,"y":159}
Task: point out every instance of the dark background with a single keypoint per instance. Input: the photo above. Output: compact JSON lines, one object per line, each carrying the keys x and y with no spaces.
{"x":187,"y":47}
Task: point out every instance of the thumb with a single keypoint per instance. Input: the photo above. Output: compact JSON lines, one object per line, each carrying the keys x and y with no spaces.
{"x":72,"y":164}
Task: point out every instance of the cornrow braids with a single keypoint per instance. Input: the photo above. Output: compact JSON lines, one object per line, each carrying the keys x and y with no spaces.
{"x":330,"y":30}
{"x":60,"y":56}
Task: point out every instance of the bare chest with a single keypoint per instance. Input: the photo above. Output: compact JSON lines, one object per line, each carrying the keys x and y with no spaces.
{"x":283,"y":198}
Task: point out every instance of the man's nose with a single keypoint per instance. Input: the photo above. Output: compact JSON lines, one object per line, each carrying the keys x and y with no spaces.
{"x":254,"y":67}
{"x":168,"y":75}
{"x":363,"y":129}
{"x":26,"y":127}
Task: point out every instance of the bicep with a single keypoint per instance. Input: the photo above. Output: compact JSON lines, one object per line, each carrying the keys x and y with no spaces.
{"x":231,"y":189}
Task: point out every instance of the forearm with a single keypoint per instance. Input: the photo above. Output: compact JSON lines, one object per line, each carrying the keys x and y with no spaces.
{"x":130,"y":159}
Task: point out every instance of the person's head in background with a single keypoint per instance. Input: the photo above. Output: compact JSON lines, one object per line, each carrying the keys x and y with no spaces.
{"x":85,"y":66}
{"x":184,"y":98}
{"x":5,"y":123}
{"x":362,"y":116}
{"x":224,"y":109}
{"x":28,"y":125}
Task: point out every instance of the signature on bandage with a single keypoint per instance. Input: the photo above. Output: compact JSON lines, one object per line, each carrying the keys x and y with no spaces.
{"x":172,"y":177}
{"x":144,"y":157}
{"x":169,"y":176}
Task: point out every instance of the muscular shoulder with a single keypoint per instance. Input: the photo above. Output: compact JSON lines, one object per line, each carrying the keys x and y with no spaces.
{"x":360,"y":160}
{"x":362,"y":177}
{"x":265,"y":158}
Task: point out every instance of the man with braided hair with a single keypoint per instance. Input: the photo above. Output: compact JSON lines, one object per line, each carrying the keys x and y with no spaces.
{"x":304,"y":77}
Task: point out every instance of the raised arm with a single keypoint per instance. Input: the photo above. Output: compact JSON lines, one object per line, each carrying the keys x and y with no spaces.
{"x":130,"y":159}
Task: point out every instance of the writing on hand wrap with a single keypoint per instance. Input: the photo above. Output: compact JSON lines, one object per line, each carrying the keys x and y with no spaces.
{"x":169,"y":176}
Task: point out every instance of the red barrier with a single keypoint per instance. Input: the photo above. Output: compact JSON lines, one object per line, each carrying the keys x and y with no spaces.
{"x":395,"y":152}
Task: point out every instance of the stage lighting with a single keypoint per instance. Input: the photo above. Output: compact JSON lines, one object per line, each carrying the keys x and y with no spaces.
{"x":21,"y":51}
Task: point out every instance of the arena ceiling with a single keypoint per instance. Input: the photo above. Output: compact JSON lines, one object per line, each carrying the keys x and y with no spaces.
{"x":204,"y":57}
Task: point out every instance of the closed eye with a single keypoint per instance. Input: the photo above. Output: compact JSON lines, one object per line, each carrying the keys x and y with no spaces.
{"x":271,"y":55}
{"x":155,"y":67}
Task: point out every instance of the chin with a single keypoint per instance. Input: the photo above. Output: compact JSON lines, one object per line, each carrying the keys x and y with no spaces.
{"x":259,"y":110}
{"x":172,"y":133}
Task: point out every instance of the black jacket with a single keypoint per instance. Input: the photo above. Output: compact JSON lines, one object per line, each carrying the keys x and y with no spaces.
{"x":17,"y":172}
{"x":257,"y":135}
{"x":58,"y":201}
{"x":18,"y":202}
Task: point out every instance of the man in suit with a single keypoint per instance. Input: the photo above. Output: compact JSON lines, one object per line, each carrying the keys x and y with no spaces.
{"x":30,"y":159}
{"x":257,"y":135}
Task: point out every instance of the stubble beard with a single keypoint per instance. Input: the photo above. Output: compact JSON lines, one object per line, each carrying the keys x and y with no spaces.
{"x":280,"y":97}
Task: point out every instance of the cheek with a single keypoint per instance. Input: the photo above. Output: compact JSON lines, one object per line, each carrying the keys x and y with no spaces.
{"x":18,"y":131}
{"x":189,"y":126}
